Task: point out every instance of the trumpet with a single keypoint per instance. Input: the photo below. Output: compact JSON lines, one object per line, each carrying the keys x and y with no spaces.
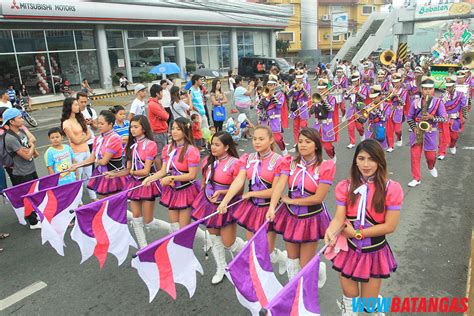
{"x":297,"y":87}
{"x":267,"y":92}
{"x":318,"y":97}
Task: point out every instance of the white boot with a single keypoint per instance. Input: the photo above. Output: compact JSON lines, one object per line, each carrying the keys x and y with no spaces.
{"x":452,"y":150}
{"x":293,"y":268}
{"x":345,"y":305}
{"x":399,"y":143}
{"x":322,"y":274}
{"x":433,"y":172}
{"x":334,"y":158}
{"x":204,"y":236}
{"x":413,"y":183}
{"x":280,"y":257}
{"x":138,"y":228}
{"x":174,"y":227}
{"x":219,"y":256}
{"x":162,"y":225}
{"x":236,"y":246}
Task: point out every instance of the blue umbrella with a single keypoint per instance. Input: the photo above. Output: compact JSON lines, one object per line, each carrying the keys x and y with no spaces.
{"x":165,"y":68}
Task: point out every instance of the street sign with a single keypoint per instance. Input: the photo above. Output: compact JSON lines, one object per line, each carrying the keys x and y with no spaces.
{"x":340,"y":23}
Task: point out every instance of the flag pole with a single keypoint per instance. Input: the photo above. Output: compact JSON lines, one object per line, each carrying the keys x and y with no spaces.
{"x":336,"y":233}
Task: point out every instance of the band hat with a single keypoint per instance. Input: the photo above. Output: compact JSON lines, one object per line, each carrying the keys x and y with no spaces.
{"x":461,"y":73}
{"x":396,"y":77}
{"x":366,"y":65}
{"x":450,"y":81}
{"x":323,"y":83}
{"x":407,"y":64}
{"x":299,"y":74}
{"x":339,"y":68}
{"x":375,"y":91}
{"x":272,"y":79}
{"x":418,"y":69}
{"x":355,"y":76}
{"x":381,"y":72}
{"x":427,"y":82}
{"x":10,"y":114}
{"x":139,"y":87}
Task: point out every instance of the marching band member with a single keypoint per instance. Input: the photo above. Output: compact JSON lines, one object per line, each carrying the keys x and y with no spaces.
{"x":299,"y":93}
{"x":340,"y":84}
{"x":270,"y":109}
{"x":323,"y":110}
{"x":409,"y":75}
{"x":304,"y":218}
{"x":394,"y":125}
{"x":369,"y":204}
{"x":464,"y":84}
{"x":455,"y":103}
{"x":219,"y":170}
{"x":368,"y":75}
{"x":378,"y":116}
{"x":424,"y":115}
{"x":383,"y":81}
{"x":178,"y":174}
{"x":107,"y":154}
{"x":414,"y":89}
{"x":358,"y":95}
{"x":262,"y":168}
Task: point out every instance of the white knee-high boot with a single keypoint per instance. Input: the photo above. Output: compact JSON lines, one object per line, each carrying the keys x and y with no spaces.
{"x":138,"y":228}
{"x":280,"y":257}
{"x":322,"y":274}
{"x":236,"y":247}
{"x":219,"y":256}
{"x":293,"y":268}
{"x":174,"y":227}
{"x":345,"y":305}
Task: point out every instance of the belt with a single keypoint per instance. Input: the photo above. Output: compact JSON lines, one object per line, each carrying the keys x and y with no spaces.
{"x":454,"y":115}
{"x":311,"y":213}
{"x":373,"y":247}
{"x":275,"y":116}
{"x":326,"y":121}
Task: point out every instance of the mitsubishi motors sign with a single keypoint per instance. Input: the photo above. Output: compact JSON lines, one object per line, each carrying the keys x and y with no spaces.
{"x":45,"y":6}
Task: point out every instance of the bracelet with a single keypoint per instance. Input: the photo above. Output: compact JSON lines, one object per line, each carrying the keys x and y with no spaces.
{"x":358,"y":234}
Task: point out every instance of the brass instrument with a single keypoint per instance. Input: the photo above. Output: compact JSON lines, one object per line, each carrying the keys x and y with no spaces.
{"x":318,"y":97}
{"x":387,"y":57}
{"x":267,"y":92}
{"x":298,"y":86}
{"x":467,"y":60}
{"x":423,"y":126}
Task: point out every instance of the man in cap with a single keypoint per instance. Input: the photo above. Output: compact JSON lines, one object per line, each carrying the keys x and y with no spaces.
{"x":324,"y":118}
{"x":430,"y":110}
{"x":399,"y":99}
{"x":299,"y":94}
{"x":368,"y":75}
{"x":379,"y":112}
{"x":23,"y":150}
{"x":358,"y":97}
{"x":138,"y":105}
{"x":340,"y":83}
{"x":456,"y":105}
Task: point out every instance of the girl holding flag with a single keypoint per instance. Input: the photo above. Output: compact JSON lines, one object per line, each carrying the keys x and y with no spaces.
{"x":369,"y":203}
{"x":219,"y":170}
{"x":304,"y":217}
{"x":107,"y":154}
{"x":262,"y":168}
{"x":178,"y":174}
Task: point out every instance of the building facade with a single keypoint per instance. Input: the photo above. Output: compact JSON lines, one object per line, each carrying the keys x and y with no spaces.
{"x":43,"y":43}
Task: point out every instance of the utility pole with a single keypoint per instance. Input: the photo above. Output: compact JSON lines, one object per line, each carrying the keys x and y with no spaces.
{"x":332,"y":36}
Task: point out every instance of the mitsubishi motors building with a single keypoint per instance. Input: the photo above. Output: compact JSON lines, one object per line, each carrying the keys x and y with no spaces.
{"x":45,"y":42}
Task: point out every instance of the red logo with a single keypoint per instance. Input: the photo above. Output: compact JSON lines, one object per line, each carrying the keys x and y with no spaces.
{"x":14,"y":5}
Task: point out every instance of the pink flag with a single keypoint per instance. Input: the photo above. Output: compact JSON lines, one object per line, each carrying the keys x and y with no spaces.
{"x":251,"y":272}
{"x":16,"y":194}
{"x":52,"y":206}
{"x":101,"y":228}
{"x":300,"y":295}
{"x":168,"y":261}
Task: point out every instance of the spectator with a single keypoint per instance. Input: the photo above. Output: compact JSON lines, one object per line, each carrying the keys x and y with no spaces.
{"x":180,"y":107}
{"x":218,"y":99}
{"x":59,"y":157}
{"x":24,"y":151}
{"x":242,"y":96}
{"x":197,"y":99}
{"x":233,"y":129}
{"x":25,"y":96}
{"x":11,"y":94}
{"x":124,"y":82}
{"x":245,"y":125}
{"x":121,"y":127}
{"x":90,"y":115}
{"x":197,"y":132}
{"x":189,"y":84}
{"x":5,"y":100}
{"x":85,"y":87}
{"x":75,"y":127}
{"x":166,"y":100}
{"x":158,"y":118}
{"x":138,"y":105}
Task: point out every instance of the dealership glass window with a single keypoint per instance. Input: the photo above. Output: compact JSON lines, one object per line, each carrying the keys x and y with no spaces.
{"x":214,"y":38}
{"x":88,"y":67}
{"x":170,"y":53}
{"x":114,"y":39}
{"x":29,"y":41}
{"x":225,"y":38}
{"x":64,"y":66}
{"x":188,"y":38}
{"x":201,"y":38}
{"x":60,"y":40}
{"x":9,"y":73}
{"x":135,"y":34}
{"x":35,"y":73}
{"x":150,"y":33}
{"x":6,"y":45}
{"x":117,"y":62}
{"x":190,"y":58}
{"x":168,"y":33}
{"x":84,"y":39}
{"x":143,"y":60}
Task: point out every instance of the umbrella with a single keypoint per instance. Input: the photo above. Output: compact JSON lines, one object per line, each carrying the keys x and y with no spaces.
{"x":165,"y":68}
{"x":205,"y":72}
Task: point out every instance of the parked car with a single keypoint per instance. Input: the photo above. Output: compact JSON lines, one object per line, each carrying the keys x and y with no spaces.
{"x":260,"y":66}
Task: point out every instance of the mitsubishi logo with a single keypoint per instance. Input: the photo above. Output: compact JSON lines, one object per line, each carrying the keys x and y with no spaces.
{"x":14,"y":5}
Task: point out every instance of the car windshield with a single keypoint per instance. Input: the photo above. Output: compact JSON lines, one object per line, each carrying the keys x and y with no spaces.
{"x":283,"y":65}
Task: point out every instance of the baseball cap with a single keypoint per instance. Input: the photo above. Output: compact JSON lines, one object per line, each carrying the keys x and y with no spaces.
{"x":10,"y":114}
{"x":139,"y":87}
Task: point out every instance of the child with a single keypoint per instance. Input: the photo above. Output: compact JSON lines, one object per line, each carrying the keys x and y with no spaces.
{"x":245,"y":126}
{"x":233,"y":129}
{"x":212,"y":131}
{"x":59,"y":157}
{"x":121,"y":126}
{"x":197,"y":132}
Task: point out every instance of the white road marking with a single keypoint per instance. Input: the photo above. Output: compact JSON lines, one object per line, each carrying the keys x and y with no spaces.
{"x":468,"y":147}
{"x":21,"y":294}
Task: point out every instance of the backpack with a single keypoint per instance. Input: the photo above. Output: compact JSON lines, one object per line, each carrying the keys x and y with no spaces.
{"x":6,"y":158}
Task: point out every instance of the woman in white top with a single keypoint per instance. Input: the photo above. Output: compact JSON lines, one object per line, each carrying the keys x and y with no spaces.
{"x":180,"y":105}
{"x":242,"y":96}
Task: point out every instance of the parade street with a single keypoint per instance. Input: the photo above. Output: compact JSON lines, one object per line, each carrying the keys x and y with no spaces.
{"x":431,"y":245}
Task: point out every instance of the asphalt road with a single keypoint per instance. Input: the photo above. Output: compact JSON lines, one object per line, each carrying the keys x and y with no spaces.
{"x":431,"y":245}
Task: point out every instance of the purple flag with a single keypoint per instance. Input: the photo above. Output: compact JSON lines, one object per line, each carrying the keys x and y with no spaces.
{"x":300,"y":295}
{"x":251,"y":272}
{"x":16,"y":194}
{"x":168,"y":261}
{"x":52,"y":206}
{"x":101,"y":227}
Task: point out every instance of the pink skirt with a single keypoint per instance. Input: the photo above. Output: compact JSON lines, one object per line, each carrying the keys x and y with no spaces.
{"x":202,"y":208}
{"x":105,"y":186}
{"x":144,"y":193}
{"x":181,"y":199}
{"x":301,"y":229}
{"x":249,"y":215}
{"x":361,"y":266}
